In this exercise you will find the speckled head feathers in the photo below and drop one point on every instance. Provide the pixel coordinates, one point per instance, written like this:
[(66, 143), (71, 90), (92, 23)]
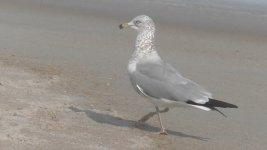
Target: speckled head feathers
[(140, 23)]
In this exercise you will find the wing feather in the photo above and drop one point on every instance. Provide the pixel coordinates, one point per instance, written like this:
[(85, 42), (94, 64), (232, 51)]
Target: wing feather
[(161, 80)]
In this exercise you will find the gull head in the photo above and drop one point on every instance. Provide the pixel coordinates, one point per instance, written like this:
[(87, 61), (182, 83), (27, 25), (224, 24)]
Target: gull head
[(140, 23)]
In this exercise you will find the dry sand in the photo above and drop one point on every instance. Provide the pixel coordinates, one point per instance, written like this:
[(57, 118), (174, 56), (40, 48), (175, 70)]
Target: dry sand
[(64, 85)]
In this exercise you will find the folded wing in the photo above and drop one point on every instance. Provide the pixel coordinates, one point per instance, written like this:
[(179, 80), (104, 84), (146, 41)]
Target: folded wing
[(161, 80)]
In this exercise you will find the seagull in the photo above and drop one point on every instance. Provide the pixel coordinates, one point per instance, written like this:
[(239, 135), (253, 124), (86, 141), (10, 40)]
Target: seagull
[(160, 82)]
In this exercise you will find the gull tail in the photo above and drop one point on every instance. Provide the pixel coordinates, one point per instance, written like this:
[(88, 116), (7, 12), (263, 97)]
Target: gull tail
[(217, 103), (211, 104)]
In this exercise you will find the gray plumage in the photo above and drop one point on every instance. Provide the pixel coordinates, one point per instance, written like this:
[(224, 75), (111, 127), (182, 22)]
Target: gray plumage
[(159, 81)]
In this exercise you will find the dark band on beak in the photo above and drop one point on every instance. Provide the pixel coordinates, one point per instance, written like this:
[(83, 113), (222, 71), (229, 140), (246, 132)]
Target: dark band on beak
[(121, 26)]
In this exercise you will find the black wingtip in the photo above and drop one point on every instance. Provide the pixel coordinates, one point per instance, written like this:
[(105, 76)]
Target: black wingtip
[(212, 103), (218, 103), (219, 112)]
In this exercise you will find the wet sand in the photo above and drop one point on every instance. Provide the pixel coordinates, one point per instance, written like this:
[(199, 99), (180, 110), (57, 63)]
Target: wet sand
[(64, 84)]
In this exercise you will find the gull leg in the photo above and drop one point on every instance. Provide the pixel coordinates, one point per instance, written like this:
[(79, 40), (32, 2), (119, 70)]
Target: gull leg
[(151, 114), (162, 131)]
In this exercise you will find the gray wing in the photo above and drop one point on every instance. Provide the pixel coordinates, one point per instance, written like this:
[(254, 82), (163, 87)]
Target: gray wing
[(161, 80)]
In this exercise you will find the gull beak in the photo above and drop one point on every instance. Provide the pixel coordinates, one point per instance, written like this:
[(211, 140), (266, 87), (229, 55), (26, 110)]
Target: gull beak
[(124, 25)]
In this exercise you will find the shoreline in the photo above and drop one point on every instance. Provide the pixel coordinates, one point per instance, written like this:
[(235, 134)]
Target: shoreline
[(64, 84), (249, 20)]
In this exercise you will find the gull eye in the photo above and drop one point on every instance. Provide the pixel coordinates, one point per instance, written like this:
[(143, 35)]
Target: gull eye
[(137, 22)]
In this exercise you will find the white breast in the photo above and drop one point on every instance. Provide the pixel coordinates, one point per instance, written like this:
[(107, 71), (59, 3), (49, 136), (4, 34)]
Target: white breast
[(132, 66)]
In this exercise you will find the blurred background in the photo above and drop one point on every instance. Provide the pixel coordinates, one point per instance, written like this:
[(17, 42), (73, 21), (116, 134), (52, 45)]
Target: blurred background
[(234, 15), (220, 44)]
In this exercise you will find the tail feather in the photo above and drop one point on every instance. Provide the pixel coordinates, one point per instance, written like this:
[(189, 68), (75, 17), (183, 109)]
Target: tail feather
[(217, 103), (219, 111), (212, 103)]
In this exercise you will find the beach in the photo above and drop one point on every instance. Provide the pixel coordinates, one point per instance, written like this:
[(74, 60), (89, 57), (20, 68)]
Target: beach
[(64, 81)]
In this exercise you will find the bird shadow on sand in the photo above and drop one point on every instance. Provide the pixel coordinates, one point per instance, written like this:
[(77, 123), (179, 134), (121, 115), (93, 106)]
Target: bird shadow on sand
[(117, 121)]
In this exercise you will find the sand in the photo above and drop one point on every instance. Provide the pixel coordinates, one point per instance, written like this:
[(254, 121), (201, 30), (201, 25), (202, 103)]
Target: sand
[(64, 84)]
